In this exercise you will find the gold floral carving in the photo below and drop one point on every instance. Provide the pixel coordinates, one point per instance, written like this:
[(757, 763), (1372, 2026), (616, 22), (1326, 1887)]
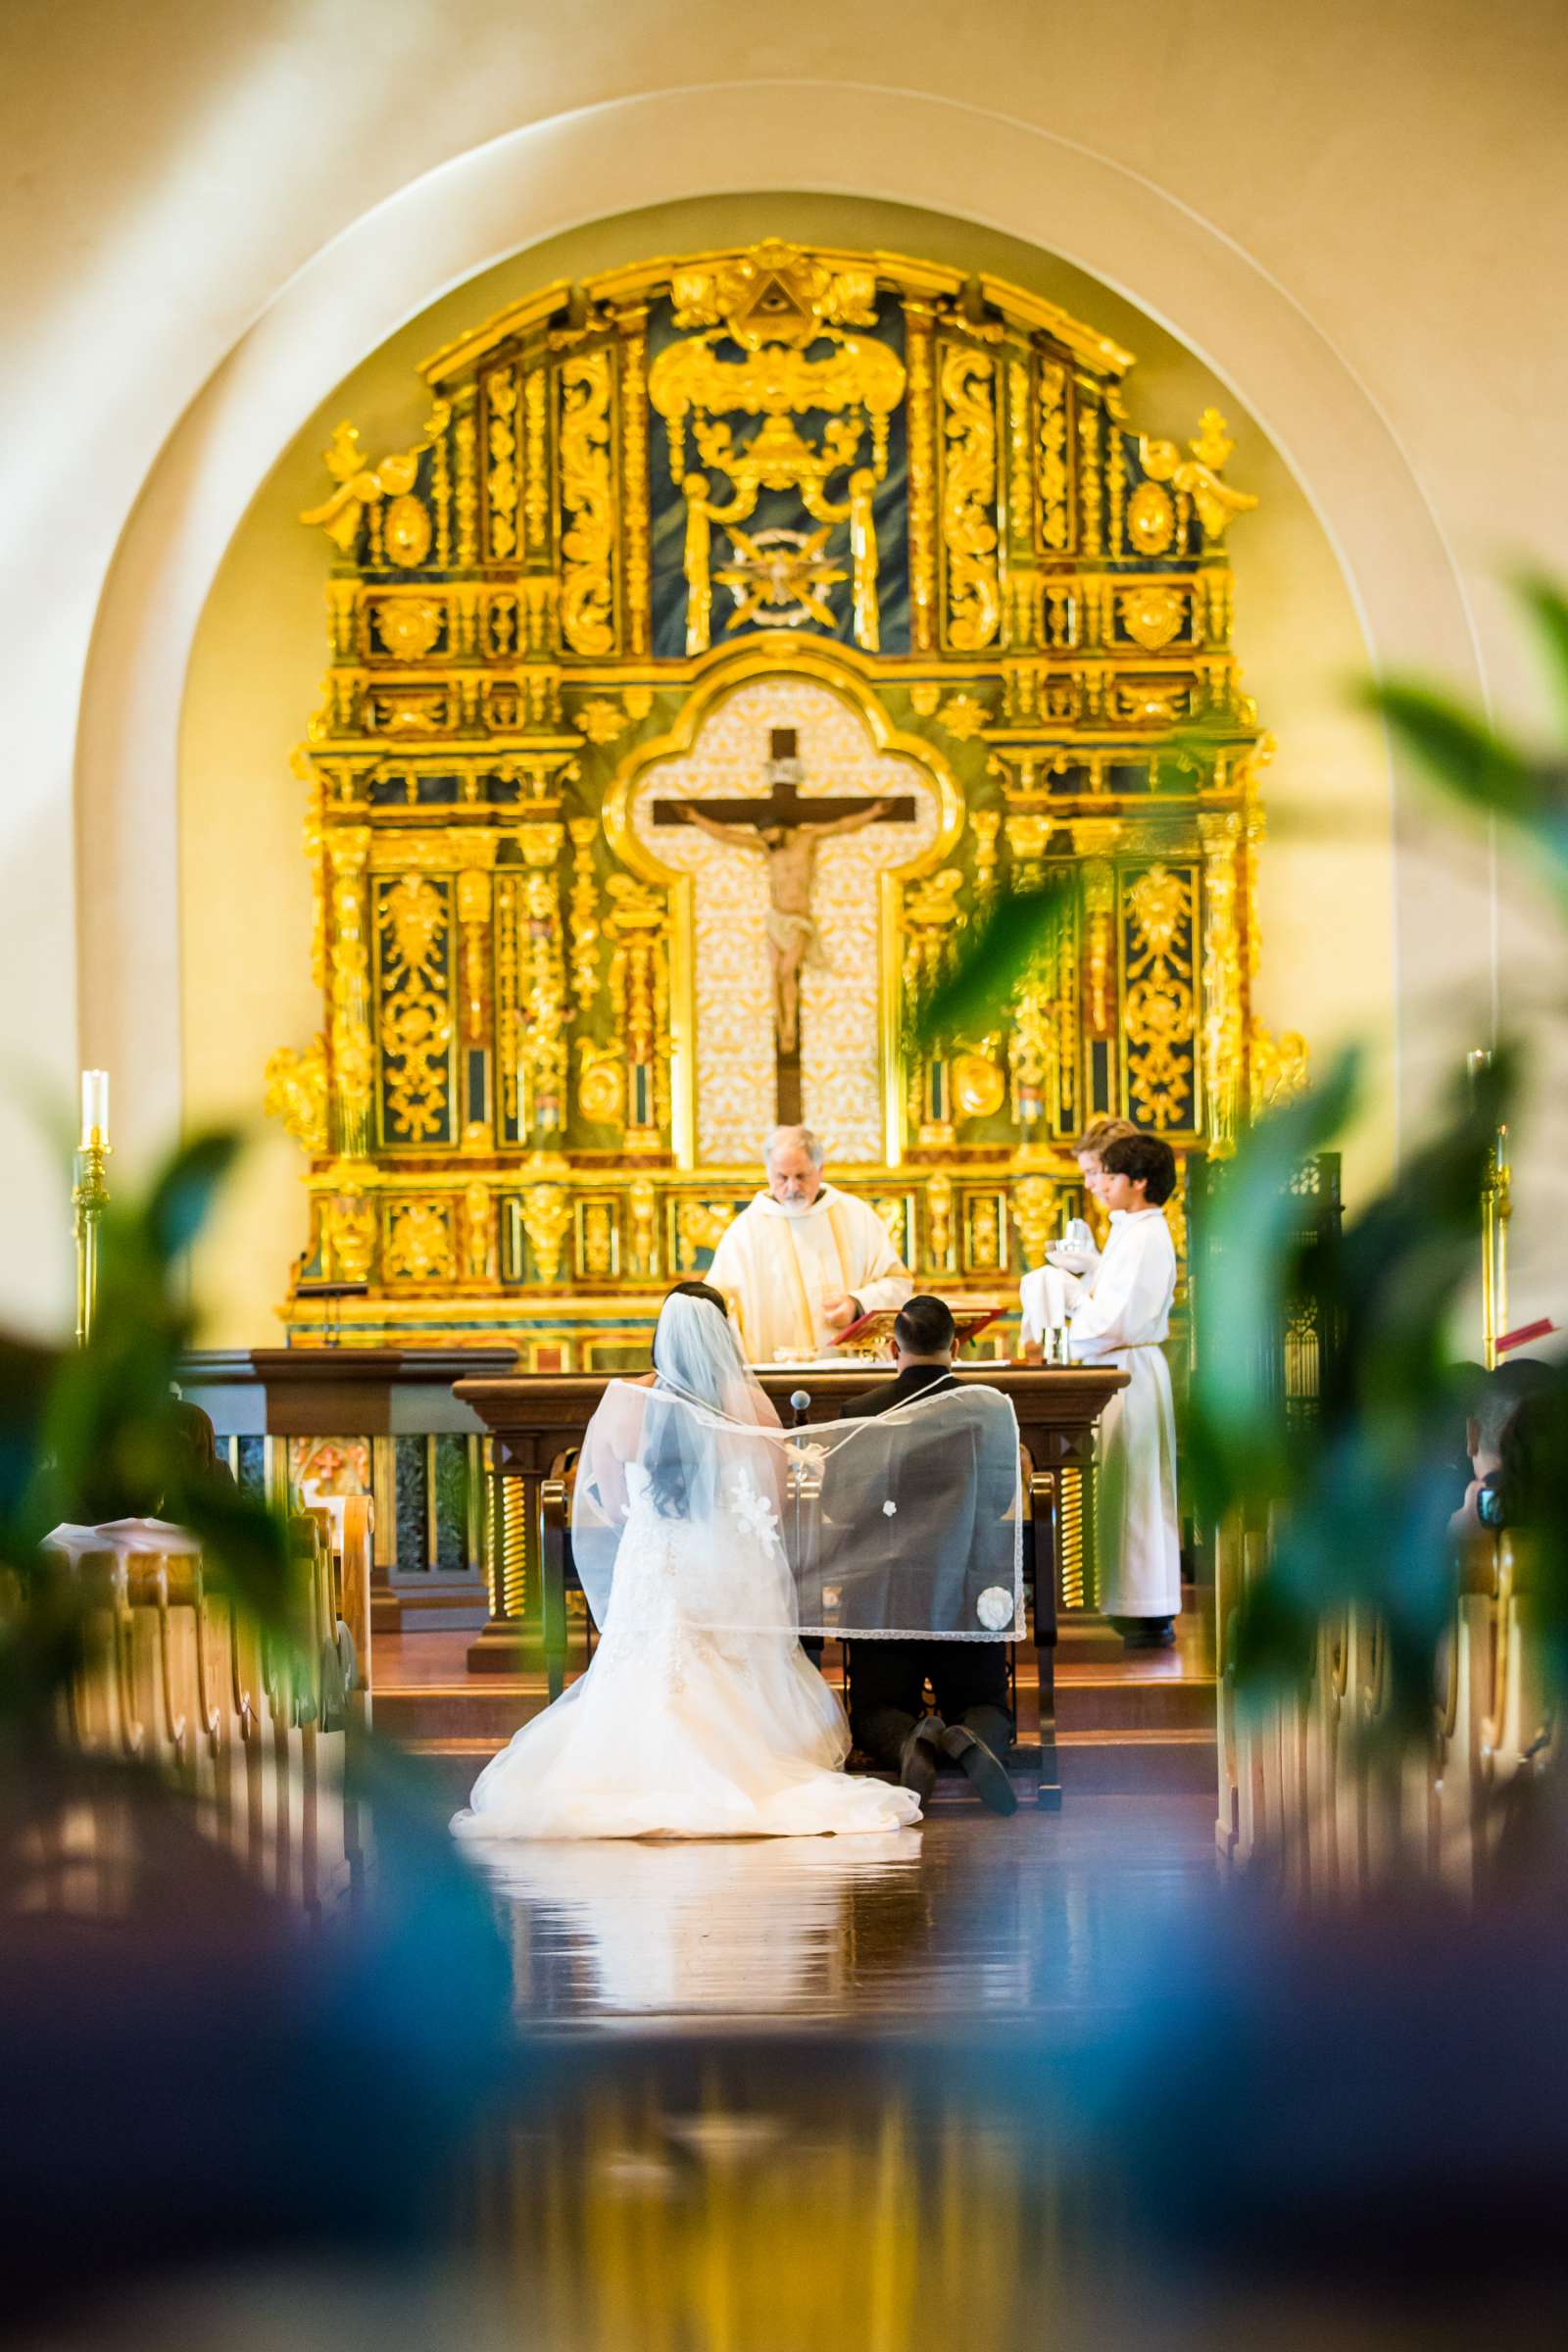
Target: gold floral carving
[(583, 919), (921, 411), (969, 497), (363, 489), (1089, 501), (601, 1082), (1036, 1208), (347, 1230), (963, 717), (635, 923), (296, 1092), (595, 1238), (1115, 490), (601, 720), (546, 1220), (979, 1087), (985, 1232), (985, 824), (1158, 1012), (643, 1202), (1223, 1025), (1055, 527), (1280, 1067), (478, 1232), (1153, 615), (407, 532), (466, 493), (543, 979), (501, 401), (588, 540), (349, 989), (1151, 519), (536, 459), (419, 1245), (939, 1222), (931, 917), (894, 1210), (416, 1028), (409, 627), (1198, 478), (699, 1225)]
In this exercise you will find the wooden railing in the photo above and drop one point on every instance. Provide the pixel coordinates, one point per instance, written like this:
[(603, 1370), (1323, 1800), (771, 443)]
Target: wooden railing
[(251, 1728), (1308, 1788)]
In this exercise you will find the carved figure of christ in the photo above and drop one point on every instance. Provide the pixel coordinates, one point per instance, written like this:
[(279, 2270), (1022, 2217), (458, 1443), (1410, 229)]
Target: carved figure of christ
[(786, 829)]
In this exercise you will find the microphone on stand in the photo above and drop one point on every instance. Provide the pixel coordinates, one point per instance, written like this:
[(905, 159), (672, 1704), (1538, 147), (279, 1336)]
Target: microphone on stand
[(801, 1405)]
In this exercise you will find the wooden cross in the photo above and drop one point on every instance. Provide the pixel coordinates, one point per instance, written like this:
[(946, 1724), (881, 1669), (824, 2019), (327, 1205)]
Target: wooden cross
[(785, 803), (786, 828)]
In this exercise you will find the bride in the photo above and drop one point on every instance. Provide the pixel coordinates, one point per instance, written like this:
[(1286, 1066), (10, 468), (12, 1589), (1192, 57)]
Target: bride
[(700, 1716)]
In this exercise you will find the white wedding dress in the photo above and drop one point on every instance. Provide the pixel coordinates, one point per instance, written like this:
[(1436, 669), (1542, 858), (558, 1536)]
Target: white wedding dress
[(700, 1715)]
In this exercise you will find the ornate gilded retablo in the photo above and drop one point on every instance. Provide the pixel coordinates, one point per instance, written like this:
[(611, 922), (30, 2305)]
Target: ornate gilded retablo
[(730, 637)]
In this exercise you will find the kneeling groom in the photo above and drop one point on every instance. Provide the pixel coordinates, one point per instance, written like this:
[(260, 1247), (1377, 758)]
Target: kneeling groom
[(972, 1724)]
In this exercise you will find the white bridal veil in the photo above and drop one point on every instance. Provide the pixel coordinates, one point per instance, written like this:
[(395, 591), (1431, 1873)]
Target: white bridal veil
[(906, 1524)]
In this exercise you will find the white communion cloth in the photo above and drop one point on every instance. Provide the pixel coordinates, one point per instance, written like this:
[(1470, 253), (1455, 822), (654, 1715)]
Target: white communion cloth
[(779, 1266), (1123, 1321)]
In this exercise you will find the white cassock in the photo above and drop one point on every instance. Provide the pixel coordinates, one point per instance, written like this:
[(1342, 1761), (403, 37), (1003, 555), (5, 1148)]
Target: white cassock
[(1123, 1321), (778, 1267), (1048, 1295)]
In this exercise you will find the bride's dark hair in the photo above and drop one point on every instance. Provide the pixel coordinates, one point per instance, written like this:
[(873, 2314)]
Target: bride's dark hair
[(666, 1430)]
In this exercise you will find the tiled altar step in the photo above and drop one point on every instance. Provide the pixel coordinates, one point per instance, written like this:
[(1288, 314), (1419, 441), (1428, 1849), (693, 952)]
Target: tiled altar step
[(1112, 1738), (1088, 1703)]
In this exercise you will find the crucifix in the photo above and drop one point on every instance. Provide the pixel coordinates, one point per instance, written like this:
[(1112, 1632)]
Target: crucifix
[(785, 829)]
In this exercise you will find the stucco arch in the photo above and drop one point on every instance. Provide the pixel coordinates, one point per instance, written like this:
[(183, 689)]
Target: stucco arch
[(616, 158)]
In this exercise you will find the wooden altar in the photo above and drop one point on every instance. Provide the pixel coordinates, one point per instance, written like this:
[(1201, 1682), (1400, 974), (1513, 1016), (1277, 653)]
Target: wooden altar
[(376, 1421), (537, 1421)]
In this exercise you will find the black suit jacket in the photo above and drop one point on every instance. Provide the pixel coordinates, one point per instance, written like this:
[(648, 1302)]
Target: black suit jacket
[(912, 1381)]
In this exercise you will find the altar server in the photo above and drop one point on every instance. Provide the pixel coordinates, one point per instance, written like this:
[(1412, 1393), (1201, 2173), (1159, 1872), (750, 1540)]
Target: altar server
[(1123, 1320), (802, 1261), (1049, 1294)]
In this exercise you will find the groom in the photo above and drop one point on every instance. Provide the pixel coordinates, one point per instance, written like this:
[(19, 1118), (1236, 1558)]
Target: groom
[(972, 1724)]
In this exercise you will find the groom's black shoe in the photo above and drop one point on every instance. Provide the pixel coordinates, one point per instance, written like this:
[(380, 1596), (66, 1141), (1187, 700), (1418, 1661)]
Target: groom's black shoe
[(986, 1771), (917, 1757)]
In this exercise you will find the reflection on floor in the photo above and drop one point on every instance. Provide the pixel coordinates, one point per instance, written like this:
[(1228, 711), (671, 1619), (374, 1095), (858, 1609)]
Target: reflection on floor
[(810, 2092), (970, 1919)]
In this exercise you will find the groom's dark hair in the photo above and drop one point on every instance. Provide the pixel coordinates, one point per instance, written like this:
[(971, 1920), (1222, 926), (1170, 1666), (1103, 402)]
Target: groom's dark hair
[(925, 1325)]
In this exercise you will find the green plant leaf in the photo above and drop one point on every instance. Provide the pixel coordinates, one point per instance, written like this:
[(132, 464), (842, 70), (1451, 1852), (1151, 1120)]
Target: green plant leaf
[(1021, 928)]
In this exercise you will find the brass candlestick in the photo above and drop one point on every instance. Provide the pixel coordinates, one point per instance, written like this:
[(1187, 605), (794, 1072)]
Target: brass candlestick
[(89, 1195), (1496, 1206)]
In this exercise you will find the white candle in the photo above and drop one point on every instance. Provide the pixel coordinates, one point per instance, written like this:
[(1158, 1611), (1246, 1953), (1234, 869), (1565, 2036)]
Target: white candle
[(94, 1107)]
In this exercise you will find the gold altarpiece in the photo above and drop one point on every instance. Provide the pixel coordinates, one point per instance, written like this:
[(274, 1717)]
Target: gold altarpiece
[(647, 520)]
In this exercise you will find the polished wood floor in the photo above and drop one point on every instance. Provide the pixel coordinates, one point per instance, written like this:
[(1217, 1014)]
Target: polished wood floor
[(971, 1921)]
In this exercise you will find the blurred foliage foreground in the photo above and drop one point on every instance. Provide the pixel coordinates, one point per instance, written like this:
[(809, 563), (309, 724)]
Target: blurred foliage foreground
[(1357, 1500), (162, 2002)]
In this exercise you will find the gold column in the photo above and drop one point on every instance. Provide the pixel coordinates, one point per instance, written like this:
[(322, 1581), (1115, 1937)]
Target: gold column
[(634, 476), (476, 907), (637, 987), (544, 985), (1220, 832), (920, 409), (348, 853)]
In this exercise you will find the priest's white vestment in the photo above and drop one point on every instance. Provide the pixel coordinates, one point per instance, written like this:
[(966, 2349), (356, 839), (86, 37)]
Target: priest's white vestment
[(1123, 1320), (780, 1265)]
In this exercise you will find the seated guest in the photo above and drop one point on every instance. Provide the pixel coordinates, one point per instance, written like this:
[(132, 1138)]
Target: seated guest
[(972, 1724), (1502, 1394)]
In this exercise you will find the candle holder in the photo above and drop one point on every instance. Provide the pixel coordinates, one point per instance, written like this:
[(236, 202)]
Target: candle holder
[(89, 1197)]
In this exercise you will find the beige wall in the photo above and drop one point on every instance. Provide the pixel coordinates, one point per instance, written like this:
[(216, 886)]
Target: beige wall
[(260, 651), (1352, 213)]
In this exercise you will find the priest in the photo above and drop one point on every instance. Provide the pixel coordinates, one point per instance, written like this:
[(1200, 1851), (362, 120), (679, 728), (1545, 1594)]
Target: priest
[(802, 1261)]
